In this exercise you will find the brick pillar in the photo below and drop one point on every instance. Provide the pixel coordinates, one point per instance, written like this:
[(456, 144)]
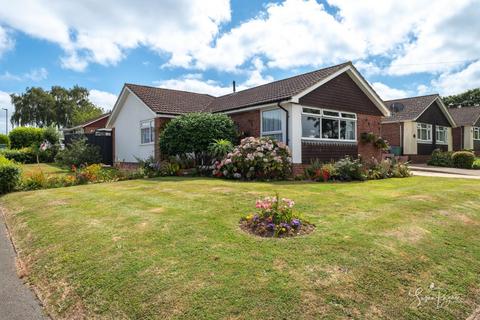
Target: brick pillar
[(368, 123)]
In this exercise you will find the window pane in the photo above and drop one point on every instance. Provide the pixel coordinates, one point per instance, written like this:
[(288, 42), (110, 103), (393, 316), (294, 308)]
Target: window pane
[(331, 113), (347, 130), (272, 120), (310, 127), (348, 115), (309, 110), (329, 129)]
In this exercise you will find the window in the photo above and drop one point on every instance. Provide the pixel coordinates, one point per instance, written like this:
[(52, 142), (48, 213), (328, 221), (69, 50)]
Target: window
[(424, 132), (147, 130), (476, 133), (328, 125), (272, 124), (441, 135)]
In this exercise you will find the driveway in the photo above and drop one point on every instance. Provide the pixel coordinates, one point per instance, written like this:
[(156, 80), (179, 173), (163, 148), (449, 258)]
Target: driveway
[(431, 171), (17, 301)]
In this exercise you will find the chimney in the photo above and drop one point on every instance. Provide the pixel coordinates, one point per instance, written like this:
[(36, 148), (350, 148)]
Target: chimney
[(233, 83)]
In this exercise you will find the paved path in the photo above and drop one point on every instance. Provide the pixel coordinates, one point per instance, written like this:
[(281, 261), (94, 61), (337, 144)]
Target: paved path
[(17, 301), (430, 171)]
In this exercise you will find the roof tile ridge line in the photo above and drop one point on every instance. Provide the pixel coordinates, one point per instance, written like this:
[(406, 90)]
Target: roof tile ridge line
[(152, 87), (415, 97), (287, 78)]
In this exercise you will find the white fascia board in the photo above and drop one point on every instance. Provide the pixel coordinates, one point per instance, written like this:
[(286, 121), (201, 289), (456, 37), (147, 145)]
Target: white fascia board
[(358, 79), (261, 106), (119, 104)]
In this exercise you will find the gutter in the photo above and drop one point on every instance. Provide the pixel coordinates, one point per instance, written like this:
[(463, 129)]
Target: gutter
[(286, 124)]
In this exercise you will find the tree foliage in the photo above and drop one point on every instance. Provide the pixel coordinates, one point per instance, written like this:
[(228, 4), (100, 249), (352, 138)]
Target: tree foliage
[(61, 107), (468, 98), (194, 132)]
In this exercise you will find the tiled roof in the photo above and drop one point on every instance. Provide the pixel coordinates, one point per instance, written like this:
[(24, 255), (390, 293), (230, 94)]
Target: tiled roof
[(170, 101), (414, 107), (465, 116), (177, 102), (273, 91)]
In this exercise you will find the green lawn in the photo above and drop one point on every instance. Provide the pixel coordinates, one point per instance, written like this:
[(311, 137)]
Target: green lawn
[(50, 169), (172, 248)]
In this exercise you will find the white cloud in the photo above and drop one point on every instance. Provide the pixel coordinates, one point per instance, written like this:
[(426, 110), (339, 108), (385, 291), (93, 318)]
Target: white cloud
[(290, 34), (35, 75), (449, 83), (5, 103), (387, 93), (102, 31), (6, 42), (103, 99)]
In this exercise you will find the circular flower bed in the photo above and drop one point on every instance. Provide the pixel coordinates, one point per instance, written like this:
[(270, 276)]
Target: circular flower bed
[(275, 219)]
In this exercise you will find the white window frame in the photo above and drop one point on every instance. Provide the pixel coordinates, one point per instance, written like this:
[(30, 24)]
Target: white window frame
[(340, 117), (282, 121), (424, 126), (441, 128), (476, 130), (151, 123)]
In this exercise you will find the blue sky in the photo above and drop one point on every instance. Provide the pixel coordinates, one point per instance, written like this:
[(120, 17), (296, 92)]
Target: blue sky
[(402, 48)]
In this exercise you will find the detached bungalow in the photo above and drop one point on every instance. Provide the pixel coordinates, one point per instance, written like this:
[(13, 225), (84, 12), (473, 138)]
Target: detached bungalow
[(320, 115), (417, 126), (89, 126), (467, 134)]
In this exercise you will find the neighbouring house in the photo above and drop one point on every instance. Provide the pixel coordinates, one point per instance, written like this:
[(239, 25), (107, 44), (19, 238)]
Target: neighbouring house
[(417, 126), (89, 126), (320, 115), (466, 136)]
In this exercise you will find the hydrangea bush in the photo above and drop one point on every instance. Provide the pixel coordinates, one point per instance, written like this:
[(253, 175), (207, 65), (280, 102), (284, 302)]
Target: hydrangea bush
[(256, 159), (275, 218)]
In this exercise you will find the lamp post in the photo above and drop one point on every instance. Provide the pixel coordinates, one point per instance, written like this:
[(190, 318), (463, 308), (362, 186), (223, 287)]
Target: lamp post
[(6, 120)]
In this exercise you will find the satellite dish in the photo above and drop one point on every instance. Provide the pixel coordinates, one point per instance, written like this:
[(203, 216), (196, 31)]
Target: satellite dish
[(397, 107)]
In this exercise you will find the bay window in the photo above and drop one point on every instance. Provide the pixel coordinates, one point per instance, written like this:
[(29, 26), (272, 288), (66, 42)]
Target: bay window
[(272, 124), (424, 132), (328, 125), (147, 131), (441, 135), (476, 133)]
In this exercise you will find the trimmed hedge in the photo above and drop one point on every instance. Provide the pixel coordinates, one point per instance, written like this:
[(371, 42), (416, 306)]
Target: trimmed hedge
[(9, 175), (463, 159), (4, 140), (23, 137), (194, 132)]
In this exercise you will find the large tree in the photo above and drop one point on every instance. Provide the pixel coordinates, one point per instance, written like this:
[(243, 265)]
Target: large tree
[(59, 106), (468, 98)]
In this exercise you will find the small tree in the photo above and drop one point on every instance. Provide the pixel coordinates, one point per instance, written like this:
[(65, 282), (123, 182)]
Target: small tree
[(194, 132), (23, 137), (79, 152)]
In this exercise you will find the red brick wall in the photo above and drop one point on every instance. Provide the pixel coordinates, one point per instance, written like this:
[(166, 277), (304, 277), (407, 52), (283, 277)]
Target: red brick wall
[(159, 125), (248, 122), (95, 125), (391, 132), (368, 123), (457, 135)]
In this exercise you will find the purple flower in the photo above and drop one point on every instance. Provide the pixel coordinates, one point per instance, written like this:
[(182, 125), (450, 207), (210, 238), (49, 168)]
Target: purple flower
[(271, 226), (296, 223)]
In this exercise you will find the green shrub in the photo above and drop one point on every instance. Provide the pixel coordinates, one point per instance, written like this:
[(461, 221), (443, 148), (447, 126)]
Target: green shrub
[(9, 175), (476, 164), (79, 152), (194, 132), (4, 140), (22, 137), (256, 159), (24, 155), (441, 158), (219, 148), (463, 159), (349, 169)]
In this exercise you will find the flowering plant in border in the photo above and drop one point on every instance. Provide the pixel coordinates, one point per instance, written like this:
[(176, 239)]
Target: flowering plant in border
[(275, 218), (256, 158)]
